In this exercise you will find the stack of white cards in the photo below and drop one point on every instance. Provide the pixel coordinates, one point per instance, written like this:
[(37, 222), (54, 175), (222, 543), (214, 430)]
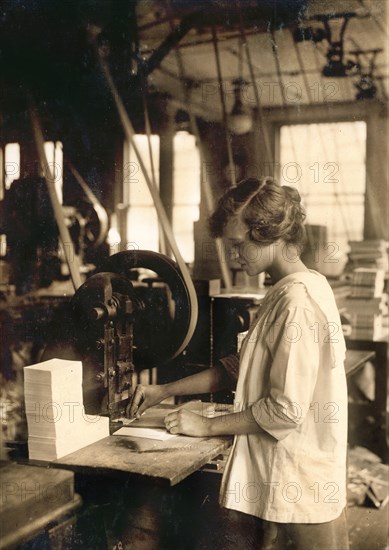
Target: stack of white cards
[(57, 423)]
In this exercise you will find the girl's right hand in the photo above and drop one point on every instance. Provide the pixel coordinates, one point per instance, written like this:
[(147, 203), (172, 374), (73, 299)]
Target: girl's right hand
[(143, 398)]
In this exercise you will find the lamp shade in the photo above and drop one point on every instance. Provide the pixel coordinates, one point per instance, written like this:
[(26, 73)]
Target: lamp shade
[(240, 123), (240, 120)]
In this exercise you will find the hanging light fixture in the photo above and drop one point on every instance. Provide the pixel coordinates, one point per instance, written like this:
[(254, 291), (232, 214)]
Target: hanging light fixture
[(182, 121), (366, 84), (333, 31), (240, 120)]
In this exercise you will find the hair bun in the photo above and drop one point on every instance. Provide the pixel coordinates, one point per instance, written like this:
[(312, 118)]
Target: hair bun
[(292, 194), (266, 180)]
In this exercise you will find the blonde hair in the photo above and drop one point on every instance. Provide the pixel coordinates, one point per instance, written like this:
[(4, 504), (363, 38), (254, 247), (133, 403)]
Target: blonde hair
[(269, 211)]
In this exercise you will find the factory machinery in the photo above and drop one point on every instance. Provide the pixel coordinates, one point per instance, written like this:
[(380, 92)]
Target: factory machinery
[(121, 322)]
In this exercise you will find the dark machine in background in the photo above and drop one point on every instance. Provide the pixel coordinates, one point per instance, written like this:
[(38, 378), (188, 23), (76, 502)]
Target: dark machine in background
[(32, 235), (33, 252), (35, 291)]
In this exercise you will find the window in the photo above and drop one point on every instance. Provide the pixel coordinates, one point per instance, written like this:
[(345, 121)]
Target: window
[(9, 171), (143, 229), (11, 163), (327, 164), (142, 218), (186, 192), (2, 175)]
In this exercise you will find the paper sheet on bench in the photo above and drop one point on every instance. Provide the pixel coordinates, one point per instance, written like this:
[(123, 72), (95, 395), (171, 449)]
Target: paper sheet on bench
[(147, 433), (155, 417)]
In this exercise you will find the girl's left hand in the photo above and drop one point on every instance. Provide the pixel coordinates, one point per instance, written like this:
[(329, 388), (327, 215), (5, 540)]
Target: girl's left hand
[(187, 423)]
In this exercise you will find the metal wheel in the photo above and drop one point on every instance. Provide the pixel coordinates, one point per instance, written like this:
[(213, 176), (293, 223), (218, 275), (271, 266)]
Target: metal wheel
[(165, 323)]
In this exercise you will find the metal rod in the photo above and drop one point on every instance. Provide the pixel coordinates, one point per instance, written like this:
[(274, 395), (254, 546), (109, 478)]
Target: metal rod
[(224, 110)]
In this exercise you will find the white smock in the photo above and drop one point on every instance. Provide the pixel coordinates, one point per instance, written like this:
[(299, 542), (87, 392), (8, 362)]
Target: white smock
[(292, 373)]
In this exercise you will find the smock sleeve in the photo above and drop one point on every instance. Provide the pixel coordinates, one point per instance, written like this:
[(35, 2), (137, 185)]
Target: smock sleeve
[(295, 356), (231, 366)]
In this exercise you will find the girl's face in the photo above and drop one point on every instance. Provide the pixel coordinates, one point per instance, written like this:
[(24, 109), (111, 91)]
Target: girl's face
[(253, 257)]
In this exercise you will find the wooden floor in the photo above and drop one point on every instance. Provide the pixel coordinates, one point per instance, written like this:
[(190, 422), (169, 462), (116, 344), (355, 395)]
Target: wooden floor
[(368, 528)]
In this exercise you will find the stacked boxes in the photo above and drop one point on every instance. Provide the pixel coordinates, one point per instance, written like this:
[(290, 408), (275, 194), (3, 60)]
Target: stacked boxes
[(367, 303), (371, 253)]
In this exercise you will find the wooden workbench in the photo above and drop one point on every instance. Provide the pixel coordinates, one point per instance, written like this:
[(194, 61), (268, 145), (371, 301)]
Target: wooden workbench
[(126, 484), (168, 461), (138, 492)]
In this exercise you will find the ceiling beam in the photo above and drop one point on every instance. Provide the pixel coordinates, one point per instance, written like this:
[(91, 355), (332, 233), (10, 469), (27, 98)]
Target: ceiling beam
[(268, 14), (189, 22)]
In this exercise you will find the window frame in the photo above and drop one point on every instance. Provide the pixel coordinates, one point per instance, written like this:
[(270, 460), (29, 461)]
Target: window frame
[(372, 112), (165, 172)]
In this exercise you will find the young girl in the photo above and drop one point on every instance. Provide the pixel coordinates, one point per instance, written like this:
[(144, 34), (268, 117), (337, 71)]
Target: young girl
[(287, 464)]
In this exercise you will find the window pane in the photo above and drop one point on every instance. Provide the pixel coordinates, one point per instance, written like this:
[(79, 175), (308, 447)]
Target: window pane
[(2, 175), (186, 175), (11, 163), (183, 219), (138, 191), (186, 192), (58, 168), (49, 151), (326, 163), (142, 228)]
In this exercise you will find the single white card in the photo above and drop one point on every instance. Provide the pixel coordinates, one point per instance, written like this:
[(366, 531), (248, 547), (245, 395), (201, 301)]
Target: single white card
[(147, 433)]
